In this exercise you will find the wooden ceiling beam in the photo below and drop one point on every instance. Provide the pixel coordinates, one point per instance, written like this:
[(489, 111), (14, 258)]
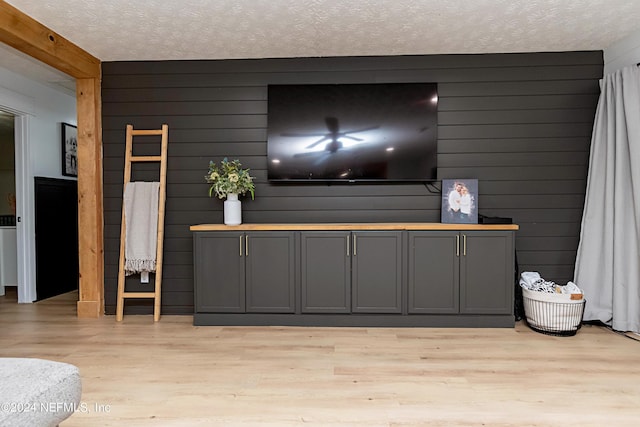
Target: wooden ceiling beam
[(27, 35)]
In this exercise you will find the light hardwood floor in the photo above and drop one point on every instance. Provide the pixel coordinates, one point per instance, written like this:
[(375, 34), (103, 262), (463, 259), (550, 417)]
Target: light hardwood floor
[(137, 373)]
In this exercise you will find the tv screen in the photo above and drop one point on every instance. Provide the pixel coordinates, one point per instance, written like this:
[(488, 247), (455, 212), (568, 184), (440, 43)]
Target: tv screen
[(352, 132)]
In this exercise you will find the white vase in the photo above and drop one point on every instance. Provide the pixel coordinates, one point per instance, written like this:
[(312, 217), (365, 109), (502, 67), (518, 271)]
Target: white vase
[(232, 210)]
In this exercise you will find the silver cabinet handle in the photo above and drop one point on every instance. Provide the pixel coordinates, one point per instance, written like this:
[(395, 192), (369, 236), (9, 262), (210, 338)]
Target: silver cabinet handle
[(355, 245), (240, 245), (246, 245), (457, 245), (464, 245), (347, 245)]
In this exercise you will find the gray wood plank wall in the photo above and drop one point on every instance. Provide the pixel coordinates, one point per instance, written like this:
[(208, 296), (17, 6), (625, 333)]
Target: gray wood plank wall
[(520, 123)]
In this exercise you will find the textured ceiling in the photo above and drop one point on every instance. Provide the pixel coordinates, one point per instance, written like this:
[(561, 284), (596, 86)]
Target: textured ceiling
[(114, 30)]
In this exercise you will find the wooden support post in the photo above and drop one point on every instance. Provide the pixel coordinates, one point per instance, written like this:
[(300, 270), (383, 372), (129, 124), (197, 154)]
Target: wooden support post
[(90, 208)]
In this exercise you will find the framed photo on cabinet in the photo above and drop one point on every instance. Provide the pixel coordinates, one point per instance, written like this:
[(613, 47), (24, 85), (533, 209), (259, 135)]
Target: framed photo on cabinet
[(69, 150), (459, 201)]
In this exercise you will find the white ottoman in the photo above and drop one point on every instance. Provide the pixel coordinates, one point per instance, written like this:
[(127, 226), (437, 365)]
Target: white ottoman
[(37, 392)]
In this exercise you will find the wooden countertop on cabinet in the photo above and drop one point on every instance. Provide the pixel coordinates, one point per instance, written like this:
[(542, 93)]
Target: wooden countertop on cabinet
[(353, 226)]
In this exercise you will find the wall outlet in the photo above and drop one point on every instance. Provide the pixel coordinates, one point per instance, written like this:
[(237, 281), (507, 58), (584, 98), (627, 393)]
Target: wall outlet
[(144, 277)]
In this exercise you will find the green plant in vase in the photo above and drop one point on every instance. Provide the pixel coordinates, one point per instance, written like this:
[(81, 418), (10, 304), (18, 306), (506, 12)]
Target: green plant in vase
[(229, 178)]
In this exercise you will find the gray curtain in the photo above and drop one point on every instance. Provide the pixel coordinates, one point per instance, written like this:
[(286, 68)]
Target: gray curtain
[(608, 258)]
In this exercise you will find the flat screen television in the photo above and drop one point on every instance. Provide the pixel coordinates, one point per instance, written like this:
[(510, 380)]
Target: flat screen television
[(352, 132)]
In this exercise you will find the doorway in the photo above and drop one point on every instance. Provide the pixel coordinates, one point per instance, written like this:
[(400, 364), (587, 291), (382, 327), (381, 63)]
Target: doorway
[(21, 108), (56, 213), (8, 240)]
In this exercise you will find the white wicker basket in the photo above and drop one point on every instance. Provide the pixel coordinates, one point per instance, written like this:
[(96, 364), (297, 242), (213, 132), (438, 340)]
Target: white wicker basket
[(553, 314)]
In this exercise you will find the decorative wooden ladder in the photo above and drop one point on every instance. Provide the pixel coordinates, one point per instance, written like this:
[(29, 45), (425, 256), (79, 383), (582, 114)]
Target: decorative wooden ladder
[(129, 159)]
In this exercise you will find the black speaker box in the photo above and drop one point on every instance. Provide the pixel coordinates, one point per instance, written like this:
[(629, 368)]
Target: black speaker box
[(494, 220)]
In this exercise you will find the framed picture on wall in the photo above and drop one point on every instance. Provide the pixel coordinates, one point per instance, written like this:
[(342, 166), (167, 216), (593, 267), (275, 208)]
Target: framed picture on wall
[(459, 201), (69, 150)]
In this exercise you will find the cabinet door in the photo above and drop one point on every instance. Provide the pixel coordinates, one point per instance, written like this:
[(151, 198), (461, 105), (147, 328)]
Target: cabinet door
[(219, 272), (325, 272), (486, 272), (270, 272), (434, 260), (376, 272)]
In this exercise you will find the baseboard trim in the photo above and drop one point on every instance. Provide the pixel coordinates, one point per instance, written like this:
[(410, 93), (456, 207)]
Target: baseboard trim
[(361, 320)]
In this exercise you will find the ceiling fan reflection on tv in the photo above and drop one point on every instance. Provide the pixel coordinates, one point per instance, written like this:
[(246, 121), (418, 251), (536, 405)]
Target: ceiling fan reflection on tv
[(334, 139)]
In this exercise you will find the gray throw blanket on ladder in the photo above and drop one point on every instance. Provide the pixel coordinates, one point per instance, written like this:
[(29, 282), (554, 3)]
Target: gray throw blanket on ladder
[(141, 220)]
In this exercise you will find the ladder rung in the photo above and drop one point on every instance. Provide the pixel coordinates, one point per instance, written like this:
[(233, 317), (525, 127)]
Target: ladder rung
[(146, 158), (139, 295), (147, 132)]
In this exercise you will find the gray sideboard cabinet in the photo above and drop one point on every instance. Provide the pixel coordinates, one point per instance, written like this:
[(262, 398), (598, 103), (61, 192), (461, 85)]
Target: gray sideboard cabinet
[(325, 271), (487, 272), (350, 274), (466, 272), (351, 271), (377, 271), (434, 272), (244, 272)]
